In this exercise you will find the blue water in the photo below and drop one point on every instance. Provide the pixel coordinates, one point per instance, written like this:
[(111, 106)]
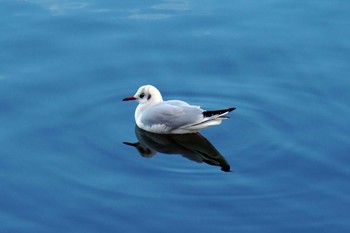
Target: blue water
[(65, 66)]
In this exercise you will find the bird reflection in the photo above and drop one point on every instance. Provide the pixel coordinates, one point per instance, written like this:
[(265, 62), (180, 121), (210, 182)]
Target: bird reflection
[(192, 146)]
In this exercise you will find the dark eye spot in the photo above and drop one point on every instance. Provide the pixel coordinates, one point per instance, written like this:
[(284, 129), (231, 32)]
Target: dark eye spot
[(142, 95), (149, 96)]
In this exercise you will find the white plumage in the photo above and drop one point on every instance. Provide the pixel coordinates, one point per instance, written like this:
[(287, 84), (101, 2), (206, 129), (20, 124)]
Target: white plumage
[(172, 116)]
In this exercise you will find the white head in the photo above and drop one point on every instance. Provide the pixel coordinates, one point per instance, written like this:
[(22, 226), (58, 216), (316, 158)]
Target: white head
[(146, 94)]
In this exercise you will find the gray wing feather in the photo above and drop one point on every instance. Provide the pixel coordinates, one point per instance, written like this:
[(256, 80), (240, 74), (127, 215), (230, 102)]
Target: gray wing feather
[(172, 114)]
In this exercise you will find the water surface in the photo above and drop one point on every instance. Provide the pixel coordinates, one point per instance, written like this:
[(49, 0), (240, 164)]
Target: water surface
[(66, 65)]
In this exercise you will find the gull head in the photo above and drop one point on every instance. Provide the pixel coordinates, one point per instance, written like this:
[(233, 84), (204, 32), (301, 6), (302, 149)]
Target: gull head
[(146, 94)]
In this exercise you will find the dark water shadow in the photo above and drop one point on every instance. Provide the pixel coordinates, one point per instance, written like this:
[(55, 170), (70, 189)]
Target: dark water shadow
[(192, 146)]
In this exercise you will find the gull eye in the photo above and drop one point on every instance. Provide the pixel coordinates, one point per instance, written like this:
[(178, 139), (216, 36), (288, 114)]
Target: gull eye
[(142, 95)]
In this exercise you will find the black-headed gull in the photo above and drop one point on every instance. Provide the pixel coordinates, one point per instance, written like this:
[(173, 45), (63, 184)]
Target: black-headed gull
[(172, 116)]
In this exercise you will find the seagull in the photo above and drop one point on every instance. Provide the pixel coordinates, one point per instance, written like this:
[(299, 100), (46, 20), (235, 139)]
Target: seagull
[(171, 116)]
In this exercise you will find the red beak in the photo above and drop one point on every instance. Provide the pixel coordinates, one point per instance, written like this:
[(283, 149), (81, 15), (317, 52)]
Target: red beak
[(129, 98)]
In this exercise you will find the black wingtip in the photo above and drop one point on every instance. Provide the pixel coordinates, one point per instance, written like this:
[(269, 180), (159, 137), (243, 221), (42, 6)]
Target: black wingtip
[(217, 112)]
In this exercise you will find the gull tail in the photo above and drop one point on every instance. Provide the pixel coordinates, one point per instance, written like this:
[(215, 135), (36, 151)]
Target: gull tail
[(217, 112), (209, 118)]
